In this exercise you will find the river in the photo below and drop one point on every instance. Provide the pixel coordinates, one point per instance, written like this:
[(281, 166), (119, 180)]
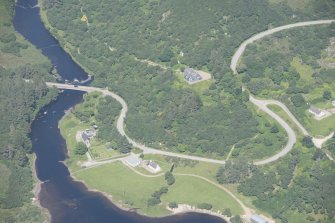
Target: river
[(66, 199)]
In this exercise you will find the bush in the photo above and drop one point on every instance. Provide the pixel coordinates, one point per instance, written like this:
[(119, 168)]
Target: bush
[(307, 141), (205, 206), (236, 219), (173, 205), (80, 149), (227, 212), (274, 129), (153, 201)]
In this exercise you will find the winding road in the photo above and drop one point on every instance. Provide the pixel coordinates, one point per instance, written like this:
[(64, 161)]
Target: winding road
[(120, 124), (261, 104)]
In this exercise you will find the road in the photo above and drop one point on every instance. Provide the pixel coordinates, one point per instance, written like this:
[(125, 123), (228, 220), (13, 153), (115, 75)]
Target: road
[(120, 124), (260, 35), (262, 104)]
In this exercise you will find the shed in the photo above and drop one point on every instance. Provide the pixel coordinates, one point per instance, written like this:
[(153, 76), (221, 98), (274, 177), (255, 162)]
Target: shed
[(133, 160), (258, 219)]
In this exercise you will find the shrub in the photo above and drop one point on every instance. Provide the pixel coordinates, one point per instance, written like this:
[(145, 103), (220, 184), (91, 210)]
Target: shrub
[(205, 206)]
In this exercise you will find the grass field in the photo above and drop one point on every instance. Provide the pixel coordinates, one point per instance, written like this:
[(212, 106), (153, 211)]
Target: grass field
[(132, 190), (321, 127), (193, 191)]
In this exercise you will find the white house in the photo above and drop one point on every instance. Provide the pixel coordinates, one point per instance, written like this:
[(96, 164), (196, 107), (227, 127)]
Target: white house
[(153, 166), (316, 112)]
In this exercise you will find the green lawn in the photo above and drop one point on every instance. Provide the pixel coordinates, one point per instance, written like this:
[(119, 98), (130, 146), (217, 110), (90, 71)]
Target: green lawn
[(193, 191), (320, 127), (125, 186), (132, 190)]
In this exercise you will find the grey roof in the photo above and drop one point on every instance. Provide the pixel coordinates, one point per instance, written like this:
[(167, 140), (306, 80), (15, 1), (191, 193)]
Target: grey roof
[(258, 219), (315, 110), (153, 164), (84, 136), (133, 160), (191, 75)]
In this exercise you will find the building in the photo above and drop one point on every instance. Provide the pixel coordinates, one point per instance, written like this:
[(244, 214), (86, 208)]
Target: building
[(85, 138), (316, 112), (191, 75), (333, 103), (132, 160), (91, 133), (153, 166), (257, 219)]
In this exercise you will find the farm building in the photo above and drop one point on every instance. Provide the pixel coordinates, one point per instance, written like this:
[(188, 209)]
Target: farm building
[(132, 160), (257, 219)]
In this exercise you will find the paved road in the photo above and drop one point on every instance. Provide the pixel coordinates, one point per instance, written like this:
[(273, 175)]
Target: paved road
[(120, 124), (260, 35), (262, 104)]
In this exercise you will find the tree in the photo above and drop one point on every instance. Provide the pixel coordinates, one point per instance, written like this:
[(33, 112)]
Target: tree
[(227, 212), (307, 141), (327, 95), (166, 55), (236, 219), (80, 149), (173, 205), (274, 129), (169, 178), (298, 100)]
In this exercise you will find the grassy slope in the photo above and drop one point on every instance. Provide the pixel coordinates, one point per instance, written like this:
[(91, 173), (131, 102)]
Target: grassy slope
[(126, 186)]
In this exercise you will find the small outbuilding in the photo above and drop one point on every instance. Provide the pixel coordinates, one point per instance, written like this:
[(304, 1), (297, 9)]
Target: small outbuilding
[(258, 219), (132, 160)]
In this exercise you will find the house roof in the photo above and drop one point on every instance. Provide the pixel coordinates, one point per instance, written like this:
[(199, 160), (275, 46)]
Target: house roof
[(258, 219), (84, 136), (153, 164), (315, 110)]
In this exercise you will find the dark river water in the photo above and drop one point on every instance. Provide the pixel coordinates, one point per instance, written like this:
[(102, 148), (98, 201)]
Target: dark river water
[(66, 199)]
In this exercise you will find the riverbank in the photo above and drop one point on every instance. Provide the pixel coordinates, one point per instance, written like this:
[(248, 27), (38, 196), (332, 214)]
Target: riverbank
[(36, 191), (52, 30)]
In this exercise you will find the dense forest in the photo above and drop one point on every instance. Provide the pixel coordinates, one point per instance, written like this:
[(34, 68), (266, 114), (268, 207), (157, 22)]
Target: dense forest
[(23, 92), (210, 117), (163, 110), (298, 187)]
